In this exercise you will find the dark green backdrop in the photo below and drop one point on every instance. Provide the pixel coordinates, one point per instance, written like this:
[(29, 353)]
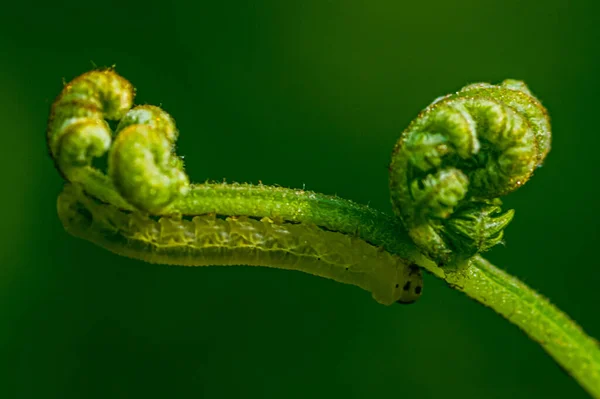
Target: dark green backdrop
[(292, 93)]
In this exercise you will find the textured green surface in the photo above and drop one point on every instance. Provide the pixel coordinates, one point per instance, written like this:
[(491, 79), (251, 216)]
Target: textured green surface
[(457, 157), (311, 93), (500, 133), (577, 353)]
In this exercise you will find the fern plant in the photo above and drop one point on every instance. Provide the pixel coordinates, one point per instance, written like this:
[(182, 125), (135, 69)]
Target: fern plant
[(448, 170)]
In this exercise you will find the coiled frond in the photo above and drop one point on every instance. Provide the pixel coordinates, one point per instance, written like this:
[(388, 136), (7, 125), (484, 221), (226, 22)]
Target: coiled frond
[(457, 157), (144, 172)]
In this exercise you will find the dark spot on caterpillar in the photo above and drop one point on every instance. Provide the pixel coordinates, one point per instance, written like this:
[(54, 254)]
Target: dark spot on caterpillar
[(406, 286), (413, 269), (397, 285), (347, 268), (418, 290)]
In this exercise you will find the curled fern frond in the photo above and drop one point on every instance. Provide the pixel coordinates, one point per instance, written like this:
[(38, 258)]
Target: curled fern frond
[(456, 159), (77, 129), (144, 172)]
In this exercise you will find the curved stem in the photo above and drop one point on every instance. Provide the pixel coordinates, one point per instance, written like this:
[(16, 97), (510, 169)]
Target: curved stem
[(562, 338), (289, 205), (328, 212)]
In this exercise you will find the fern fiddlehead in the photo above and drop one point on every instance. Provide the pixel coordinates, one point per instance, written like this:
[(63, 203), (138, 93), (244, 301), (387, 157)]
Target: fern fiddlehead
[(453, 162), (144, 172), (447, 170)]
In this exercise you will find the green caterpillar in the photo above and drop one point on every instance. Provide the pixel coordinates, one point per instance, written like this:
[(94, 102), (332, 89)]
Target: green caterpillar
[(206, 240)]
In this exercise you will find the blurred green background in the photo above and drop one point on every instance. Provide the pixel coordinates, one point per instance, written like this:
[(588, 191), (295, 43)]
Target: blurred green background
[(292, 93)]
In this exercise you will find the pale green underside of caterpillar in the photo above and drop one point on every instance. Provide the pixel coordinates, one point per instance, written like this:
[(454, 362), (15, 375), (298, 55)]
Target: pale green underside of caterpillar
[(206, 240)]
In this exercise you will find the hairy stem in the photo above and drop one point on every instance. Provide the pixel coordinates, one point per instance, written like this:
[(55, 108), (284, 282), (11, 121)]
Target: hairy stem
[(290, 205), (564, 340)]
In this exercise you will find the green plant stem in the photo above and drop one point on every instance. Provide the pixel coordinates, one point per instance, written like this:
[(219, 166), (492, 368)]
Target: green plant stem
[(290, 205), (564, 340)]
